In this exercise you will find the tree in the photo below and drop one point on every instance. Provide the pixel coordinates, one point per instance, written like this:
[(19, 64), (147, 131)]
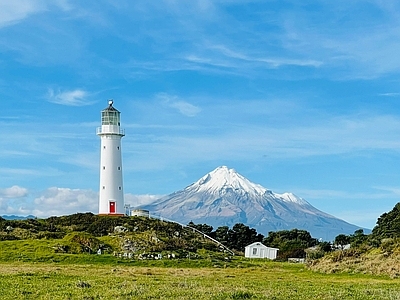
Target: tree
[(358, 238), (238, 237), (291, 243), (242, 235), (388, 224), (325, 246), (204, 228), (222, 235), (342, 240)]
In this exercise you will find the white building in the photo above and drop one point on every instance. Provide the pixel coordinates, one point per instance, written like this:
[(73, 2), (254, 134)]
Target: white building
[(258, 250), (138, 212), (111, 200)]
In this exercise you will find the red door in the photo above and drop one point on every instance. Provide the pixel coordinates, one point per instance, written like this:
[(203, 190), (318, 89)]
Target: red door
[(112, 207)]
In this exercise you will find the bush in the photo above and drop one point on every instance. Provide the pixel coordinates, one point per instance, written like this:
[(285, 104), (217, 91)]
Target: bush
[(8, 237), (80, 242)]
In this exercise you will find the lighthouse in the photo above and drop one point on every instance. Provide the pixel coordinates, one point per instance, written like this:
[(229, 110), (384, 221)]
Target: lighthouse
[(111, 196)]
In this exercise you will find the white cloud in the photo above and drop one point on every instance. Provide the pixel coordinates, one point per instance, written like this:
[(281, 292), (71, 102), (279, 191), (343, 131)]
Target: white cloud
[(76, 97), (57, 201), (64, 201), (8, 197), (13, 192)]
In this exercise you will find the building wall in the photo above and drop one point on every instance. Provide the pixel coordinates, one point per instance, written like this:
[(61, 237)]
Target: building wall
[(111, 184), (258, 250)]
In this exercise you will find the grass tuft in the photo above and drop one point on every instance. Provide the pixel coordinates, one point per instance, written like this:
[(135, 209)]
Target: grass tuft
[(242, 295), (83, 284)]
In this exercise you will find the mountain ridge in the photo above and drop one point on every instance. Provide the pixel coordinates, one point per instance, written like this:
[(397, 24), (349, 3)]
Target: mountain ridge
[(224, 197)]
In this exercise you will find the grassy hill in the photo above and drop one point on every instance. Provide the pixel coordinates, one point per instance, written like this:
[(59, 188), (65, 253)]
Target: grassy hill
[(79, 237), (383, 260), (57, 238), (56, 258)]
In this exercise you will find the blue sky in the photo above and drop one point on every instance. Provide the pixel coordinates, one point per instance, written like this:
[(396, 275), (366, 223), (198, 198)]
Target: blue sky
[(298, 96)]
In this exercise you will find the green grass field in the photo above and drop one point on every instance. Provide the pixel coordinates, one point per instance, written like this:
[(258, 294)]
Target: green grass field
[(240, 279), (32, 269)]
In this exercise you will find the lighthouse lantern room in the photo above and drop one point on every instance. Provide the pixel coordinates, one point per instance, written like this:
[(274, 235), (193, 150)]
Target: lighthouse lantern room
[(111, 196)]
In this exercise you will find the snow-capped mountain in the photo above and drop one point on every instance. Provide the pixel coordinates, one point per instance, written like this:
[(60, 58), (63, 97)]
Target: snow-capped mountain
[(224, 197)]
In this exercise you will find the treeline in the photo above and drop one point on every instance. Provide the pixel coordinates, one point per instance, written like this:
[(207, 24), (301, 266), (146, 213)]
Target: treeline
[(169, 235), (297, 243), (291, 243), (387, 230)]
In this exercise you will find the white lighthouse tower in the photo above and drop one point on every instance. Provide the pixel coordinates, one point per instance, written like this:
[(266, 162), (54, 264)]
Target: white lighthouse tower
[(111, 200)]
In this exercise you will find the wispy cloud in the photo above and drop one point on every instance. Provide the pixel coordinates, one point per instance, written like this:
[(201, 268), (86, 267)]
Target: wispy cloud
[(389, 94), (273, 62), (233, 138), (12, 12), (76, 97), (185, 108), (343, 48), (139, 200)]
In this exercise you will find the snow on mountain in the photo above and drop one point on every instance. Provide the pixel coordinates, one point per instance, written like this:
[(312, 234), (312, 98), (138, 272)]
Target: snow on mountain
[(224, 197)]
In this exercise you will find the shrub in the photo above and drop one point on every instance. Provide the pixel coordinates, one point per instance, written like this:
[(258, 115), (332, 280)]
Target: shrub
[(80, 242)]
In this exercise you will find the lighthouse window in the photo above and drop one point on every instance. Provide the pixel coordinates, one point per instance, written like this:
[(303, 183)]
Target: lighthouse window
[(119, 168), (118, 147), (104, 187), (119, 188), (104, 147), (109, 117), (104, 167)]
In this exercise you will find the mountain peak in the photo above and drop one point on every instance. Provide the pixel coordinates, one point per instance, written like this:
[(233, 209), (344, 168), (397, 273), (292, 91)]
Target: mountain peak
[(225, 178), (224, 197)]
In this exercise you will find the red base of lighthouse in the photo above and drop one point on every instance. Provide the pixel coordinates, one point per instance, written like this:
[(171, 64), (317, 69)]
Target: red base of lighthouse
[(112, 215)]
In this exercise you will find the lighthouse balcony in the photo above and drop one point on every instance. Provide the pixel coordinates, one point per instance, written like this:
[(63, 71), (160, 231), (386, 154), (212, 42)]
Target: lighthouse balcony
[(110, 129)]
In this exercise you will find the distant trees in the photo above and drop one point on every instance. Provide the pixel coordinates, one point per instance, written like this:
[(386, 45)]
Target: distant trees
[(291, 243), (358, 238), (235, 238), (342, 240)]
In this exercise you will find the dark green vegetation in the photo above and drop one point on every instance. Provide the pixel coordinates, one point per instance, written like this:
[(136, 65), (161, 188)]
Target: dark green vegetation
[(235, 238)]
